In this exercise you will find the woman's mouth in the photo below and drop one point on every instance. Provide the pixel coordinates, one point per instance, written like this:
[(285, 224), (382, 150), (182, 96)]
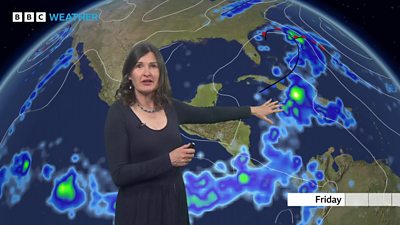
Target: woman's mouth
[(147, 82)]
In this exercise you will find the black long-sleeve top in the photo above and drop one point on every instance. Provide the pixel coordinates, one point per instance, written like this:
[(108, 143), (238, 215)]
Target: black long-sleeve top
[(138, 159)]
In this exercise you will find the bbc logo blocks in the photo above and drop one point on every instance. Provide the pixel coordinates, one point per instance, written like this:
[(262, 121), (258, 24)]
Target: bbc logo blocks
[(29, 17), (17, 17)]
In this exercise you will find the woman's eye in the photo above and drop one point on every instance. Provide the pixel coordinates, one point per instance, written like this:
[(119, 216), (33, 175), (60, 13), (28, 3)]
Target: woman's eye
[(138, 65), (154, 66)]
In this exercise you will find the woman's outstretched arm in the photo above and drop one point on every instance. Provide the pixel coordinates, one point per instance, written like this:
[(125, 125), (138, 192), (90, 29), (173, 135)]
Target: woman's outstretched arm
[(214, 114)]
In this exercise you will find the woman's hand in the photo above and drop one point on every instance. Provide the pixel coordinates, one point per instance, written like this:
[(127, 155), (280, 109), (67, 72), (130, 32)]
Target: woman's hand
[(181, 156), (265, 109)]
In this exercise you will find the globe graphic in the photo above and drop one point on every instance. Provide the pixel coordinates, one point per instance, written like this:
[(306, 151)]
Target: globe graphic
[(339, 131)]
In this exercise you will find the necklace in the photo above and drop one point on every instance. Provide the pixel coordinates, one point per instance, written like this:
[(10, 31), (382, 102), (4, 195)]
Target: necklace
[(147, 110)]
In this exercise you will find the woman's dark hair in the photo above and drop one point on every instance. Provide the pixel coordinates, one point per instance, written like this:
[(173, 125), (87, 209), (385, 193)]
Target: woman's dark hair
[(163, 92)]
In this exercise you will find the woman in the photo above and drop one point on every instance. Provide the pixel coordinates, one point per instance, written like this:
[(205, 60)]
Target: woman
[(144, 148)]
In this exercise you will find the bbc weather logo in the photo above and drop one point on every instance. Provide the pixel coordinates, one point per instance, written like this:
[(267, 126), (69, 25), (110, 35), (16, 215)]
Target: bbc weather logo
[(53, 17), (29, 17)]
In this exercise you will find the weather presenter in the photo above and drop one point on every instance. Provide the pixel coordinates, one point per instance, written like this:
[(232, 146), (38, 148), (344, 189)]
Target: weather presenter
[(144, 147)]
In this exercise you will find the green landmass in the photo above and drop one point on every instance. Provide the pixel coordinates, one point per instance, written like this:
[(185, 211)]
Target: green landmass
[(261, 78), (206, 95), (107, 42), (230, 134), (367, 178)]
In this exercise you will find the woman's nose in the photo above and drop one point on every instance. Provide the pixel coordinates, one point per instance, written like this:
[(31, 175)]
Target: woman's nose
[(146, 70)]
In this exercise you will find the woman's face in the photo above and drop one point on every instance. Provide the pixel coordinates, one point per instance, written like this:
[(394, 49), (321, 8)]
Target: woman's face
[(145, 74)]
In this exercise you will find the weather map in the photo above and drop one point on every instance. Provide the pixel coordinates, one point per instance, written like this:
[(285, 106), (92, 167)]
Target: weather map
[(338, 132)]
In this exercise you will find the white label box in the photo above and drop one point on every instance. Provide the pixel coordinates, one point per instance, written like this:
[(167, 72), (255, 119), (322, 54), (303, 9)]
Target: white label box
[(344, 199), (396, 199), (379, 199), (357, 199), (316, 199)]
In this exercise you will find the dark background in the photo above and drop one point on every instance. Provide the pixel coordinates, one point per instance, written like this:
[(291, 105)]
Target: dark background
[(375, 22)]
